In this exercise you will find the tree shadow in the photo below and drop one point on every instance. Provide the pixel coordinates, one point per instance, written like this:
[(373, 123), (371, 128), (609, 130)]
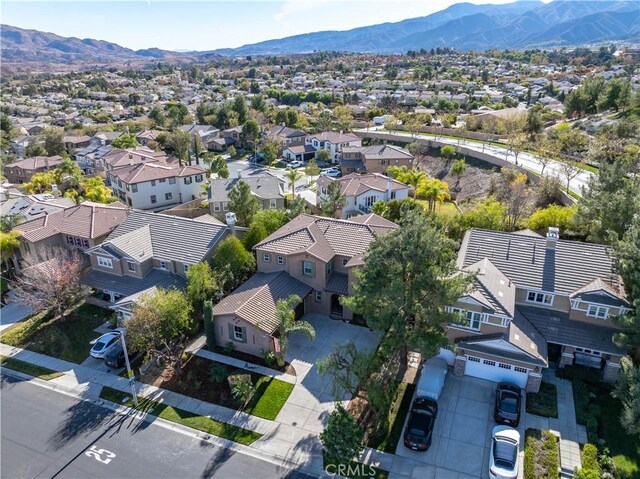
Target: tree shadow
[(219, 458)]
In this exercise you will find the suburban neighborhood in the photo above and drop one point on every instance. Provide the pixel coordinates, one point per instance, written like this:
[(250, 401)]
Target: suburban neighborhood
[(355, 263)]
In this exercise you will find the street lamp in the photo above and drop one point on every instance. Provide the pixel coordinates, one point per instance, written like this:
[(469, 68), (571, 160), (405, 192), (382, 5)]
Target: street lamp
[(132, 379)]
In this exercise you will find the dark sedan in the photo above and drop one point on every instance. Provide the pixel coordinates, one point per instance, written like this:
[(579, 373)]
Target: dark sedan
[(508, 400), (419, 430), (115, 357)]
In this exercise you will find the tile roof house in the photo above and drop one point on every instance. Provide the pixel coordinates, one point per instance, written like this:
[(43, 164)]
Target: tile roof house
[(267, 188), (29, 207), (374, 158), (149, 250), (362, 191), (288, 136), (537, 301), (333, 141), (80, 227), (311, 256), (21, 171)]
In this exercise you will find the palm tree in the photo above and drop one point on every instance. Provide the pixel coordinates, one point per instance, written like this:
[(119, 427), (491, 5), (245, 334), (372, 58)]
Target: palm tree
[(334, 200), (414, 177), (434, 191), (293, 176), (287, 324)]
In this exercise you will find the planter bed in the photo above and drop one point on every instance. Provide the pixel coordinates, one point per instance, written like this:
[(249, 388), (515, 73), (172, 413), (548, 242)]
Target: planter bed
[(541, 456)]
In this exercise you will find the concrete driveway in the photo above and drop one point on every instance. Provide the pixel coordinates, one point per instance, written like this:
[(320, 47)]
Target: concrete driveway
[(462, 433), (312, 400)]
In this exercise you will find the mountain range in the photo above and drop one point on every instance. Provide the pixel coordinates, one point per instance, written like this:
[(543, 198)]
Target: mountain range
[(464, 26)]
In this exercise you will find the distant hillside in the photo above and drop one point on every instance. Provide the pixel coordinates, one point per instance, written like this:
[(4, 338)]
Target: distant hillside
[(467, 26)]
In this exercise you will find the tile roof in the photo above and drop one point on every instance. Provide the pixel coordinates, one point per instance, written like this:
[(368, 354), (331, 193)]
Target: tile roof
[(263, 186), (36, 162), (170, 238), (326, 237), (335, 137), (87, 220), (380, 152), (117, 158), (527, 262), (338, 283), (255, 301), (494, 287), (285, 132), (129, 285), (356, 184), (154, 171)]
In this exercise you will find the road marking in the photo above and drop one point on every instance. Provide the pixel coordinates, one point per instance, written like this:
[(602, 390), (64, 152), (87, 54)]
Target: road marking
[(97, 454)]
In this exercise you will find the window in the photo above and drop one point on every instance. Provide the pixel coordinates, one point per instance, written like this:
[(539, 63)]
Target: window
[(185, 267), (470, 319), (393, 195), (318, 296), (473, 359), (172, 181), (168, 196), (238, 333), (504, 366), (307, 268), (85, 243), (127, 187), (280, 260), (153, 182), (77, 241), (70, 240), (131, 265), (538, 297), (345, 261), (105, 262), (198, 178), (162, 180), (272, 203), (216, 207), (163, 265), (134, 188), (266, 258), (600, 312), (153, 199), (329, 268), (488, 362), (518, 369), (225, 206), (188, 180)]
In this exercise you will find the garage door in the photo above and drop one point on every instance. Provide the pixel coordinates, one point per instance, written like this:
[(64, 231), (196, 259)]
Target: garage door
[(495, 371)]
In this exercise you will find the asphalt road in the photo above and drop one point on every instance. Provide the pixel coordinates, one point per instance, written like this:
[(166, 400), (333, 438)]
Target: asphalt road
[(46, 434)]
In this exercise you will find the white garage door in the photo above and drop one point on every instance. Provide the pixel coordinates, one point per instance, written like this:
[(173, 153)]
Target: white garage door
[(495, 371)]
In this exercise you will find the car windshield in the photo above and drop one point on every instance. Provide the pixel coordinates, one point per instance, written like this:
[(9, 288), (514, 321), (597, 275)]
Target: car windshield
[(509, 404), (504, 453), (99, 345), (420, 423)]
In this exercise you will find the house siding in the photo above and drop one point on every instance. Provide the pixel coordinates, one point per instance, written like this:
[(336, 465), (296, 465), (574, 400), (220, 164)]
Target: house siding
[(257, 342)]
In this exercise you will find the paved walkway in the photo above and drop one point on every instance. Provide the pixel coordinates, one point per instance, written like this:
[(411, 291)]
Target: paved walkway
[(13, 312)]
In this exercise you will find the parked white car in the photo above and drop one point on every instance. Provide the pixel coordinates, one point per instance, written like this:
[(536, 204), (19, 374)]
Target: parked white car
[(104, 344), (296, 164), (332, 172), (503, 460), (431, 382)]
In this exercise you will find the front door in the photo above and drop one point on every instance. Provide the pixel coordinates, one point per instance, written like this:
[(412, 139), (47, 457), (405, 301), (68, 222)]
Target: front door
[(336, 307), (554, 351)]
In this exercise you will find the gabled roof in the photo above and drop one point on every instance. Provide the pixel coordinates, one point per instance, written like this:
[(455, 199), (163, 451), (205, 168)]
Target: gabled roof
[(601, 291), (155, 171), (130, 285), (493, 287), (117, 158), (334, 137), (86, 220), (263, 186), (326, 237), (526, 261), (166, 238), (356, 184), (36, 163), (285, 132), (380, 152), (255, 301)]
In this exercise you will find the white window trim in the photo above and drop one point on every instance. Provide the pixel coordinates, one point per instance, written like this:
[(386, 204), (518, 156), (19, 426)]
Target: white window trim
[(185, 267), (129, 264), (597, 309), (105, 262), (544, 296), (304, 268), (280, 260), (318, 296), (266, 257), (163, 265), (470, 320), (237, 333)]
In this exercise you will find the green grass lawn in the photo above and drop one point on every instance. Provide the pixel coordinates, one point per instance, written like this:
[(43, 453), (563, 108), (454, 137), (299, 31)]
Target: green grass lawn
[(446, 209), (179, 416), (30, 369), (544, 402), (67, 339), (396, 417), (271, 394), (624, 449)]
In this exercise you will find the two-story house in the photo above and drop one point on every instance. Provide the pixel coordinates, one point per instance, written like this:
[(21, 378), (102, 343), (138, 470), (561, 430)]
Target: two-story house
[(81, 227), (536, 301), (21, 171), (148, 251), (147, 136), (332, 141), (267, 188), (157, 185), (374, 158), (207, 133), (287, 136), (362, 191), (312, 257)]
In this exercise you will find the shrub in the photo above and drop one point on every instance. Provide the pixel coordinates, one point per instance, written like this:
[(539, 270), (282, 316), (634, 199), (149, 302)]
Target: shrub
[(581, 398), (530, 447), (592, 428), (270, 358), (241, 387), (590, 466), (229, 347), (218, 373), (541, 459), (544, 402)]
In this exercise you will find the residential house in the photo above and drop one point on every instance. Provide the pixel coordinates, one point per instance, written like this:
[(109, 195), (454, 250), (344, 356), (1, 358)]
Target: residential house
[(80, 227), (117, 158), (299, 152), (29, 207), (312, 257), (287, 136), (157, 185), (374, 158), (536, 302), (227, 138), (73, 143), (21, 171), (104, 138), (90, 159), (146, 136), (362, 191), (332, 141), (267, 188), (149, 251), (207, 133)]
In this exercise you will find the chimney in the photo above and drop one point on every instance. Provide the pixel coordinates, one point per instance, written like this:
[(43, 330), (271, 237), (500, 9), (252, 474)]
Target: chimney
[(46, 163), (341, 132), (231, 222), (130, 159), (552, 237)]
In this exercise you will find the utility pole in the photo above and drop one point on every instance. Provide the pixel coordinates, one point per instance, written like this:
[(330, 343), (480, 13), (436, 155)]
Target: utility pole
[(132, 379)]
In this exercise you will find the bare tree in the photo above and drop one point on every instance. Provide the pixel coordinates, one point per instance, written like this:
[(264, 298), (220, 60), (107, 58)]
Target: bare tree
[(546, 153), (570, 169), (517, 199), (50, 279)]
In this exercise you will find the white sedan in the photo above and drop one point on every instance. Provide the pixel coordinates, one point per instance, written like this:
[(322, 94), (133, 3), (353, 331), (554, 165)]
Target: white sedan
[(296, 164), (332, 172), (104, 344), (503, 460)]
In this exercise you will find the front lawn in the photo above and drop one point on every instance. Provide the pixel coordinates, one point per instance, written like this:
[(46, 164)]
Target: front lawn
[(186, 418), (544, 402), (267, 400), (67, 339), (541, 457), (28, 368), (398, 411)]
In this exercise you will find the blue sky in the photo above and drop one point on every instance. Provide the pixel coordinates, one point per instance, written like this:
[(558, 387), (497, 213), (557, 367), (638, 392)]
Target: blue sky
[(207, 25)]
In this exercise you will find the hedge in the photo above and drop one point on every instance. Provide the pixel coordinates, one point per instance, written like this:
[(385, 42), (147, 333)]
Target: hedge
[(541, 458)]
